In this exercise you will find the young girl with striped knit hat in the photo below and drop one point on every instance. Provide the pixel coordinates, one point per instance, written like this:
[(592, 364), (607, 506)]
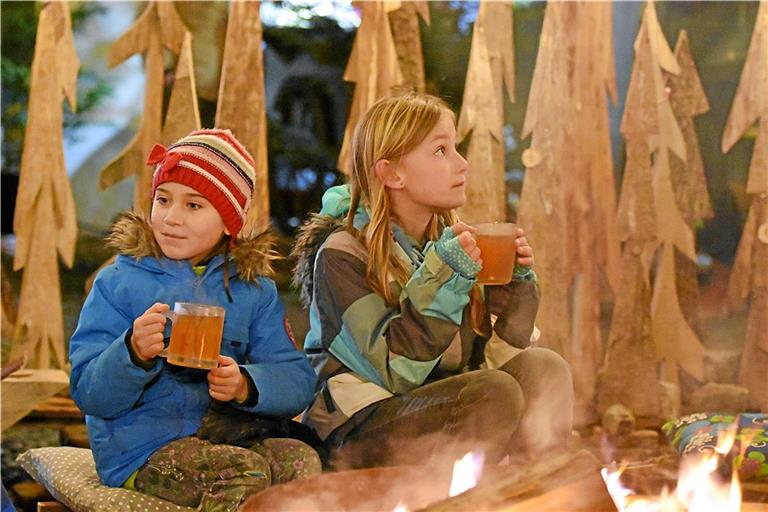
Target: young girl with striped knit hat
[(144, 415)]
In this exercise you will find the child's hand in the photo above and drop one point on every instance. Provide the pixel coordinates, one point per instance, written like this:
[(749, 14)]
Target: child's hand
[(524, 251), (147, 337), (226, 383), (464, 233)]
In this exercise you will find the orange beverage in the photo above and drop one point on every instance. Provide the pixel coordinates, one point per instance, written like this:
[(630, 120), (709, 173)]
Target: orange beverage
[(196, 335), (498, 250)]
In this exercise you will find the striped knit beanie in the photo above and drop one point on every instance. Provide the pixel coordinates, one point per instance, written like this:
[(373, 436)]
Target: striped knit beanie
[(213, 163)]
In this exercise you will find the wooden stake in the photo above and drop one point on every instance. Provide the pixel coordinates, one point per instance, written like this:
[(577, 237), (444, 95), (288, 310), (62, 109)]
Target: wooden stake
[(241, 106), (183, 114), (45, 221), (156, 28), (491, 69), (407, 38), (373, 67), (749, 279)]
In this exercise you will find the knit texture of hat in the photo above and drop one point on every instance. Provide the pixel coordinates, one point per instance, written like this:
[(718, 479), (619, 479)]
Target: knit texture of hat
[(213, 163)]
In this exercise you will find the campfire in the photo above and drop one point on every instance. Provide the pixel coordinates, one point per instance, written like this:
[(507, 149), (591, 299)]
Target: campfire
[(703, 484), (572, 481)]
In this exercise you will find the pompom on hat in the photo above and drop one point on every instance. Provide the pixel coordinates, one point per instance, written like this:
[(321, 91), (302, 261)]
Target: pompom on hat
[(213, 163)]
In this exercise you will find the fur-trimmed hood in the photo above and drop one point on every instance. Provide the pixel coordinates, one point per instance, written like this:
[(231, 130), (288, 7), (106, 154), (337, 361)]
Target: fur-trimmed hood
[(308, 241), (132, 235)]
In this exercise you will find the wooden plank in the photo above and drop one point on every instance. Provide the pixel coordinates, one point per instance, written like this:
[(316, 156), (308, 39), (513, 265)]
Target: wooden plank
[(23, 391)]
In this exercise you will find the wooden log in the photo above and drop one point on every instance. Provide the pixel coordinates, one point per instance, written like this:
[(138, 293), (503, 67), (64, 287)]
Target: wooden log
[(21, 393), (571, 481)]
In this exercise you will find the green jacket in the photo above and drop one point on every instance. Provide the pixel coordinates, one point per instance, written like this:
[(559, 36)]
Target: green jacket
[(364, 350)]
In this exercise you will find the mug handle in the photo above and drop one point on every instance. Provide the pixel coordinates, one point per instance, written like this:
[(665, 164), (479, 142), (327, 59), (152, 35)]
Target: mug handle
[(170, 315)]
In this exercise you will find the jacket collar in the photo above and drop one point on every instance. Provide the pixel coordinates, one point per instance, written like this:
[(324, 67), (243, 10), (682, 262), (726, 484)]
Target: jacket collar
[(132, 236)]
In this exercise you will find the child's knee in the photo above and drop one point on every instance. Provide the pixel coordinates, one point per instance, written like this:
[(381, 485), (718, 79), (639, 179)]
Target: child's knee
[(496, 394), (289, 459)]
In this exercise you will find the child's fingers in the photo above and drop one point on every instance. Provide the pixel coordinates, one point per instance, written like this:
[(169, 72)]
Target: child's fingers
[(461, 227), (226, 361), (467, 241), (219, 379), (222, 397), (157, 307), (525, 262), (525, 250), (152, 320)]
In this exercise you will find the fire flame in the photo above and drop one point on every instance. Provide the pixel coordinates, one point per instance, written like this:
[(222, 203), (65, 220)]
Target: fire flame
[(700, 488), (466, 473)]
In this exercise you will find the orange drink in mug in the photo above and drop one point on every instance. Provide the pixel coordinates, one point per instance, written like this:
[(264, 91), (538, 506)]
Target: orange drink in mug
[(195, 335), (496, 241)]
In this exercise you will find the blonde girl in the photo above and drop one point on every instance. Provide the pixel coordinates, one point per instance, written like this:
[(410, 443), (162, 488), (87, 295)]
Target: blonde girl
[(398, 324)]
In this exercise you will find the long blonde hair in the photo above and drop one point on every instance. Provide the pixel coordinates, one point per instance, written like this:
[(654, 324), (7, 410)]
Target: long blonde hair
[(390, 129)]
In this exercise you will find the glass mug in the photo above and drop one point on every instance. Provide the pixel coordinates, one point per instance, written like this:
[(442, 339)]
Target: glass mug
[(496, 241), (195, 335)]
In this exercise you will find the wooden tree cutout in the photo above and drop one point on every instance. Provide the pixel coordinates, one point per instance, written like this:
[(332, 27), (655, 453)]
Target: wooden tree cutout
[(158, 27), (183, 115), (407, 37), (749, 277), (241, 106), (568, 202), (491, 69), (688, 179), (644, 332), (373, 67), (45, 221)]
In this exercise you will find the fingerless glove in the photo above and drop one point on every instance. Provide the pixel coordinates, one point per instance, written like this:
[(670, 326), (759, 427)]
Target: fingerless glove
[(449, 248)]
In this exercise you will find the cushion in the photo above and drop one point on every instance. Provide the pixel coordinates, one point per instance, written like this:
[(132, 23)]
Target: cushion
[(698, 433), (69, 474)]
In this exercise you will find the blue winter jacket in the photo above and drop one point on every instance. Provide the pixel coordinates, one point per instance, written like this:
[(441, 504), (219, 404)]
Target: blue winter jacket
[(131, 411)]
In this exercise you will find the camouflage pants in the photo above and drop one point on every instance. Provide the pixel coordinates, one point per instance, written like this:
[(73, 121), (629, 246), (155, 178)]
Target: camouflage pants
[(216, 477)]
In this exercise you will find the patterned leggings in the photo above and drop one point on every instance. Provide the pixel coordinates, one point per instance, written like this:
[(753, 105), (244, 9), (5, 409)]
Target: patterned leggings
[(216, 477)]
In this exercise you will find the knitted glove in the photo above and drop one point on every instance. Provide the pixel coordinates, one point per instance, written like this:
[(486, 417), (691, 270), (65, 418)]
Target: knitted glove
[(524, 274), (449, 248)]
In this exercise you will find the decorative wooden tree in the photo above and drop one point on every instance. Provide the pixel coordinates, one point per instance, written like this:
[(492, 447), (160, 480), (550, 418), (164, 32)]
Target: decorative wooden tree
[(648, 325), (749, 277), (568, 200), (407, 37), (689, 184), (373, 67), (158, 26), (183, 114), (491, 68), (241, 106), (45, 222)]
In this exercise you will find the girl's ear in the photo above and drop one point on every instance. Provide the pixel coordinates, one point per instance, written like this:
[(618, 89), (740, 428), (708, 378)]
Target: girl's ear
[(226, 231), (387, 174)]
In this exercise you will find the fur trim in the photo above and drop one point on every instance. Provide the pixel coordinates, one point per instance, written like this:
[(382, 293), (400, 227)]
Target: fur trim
[(308, 241), (132, 236)]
